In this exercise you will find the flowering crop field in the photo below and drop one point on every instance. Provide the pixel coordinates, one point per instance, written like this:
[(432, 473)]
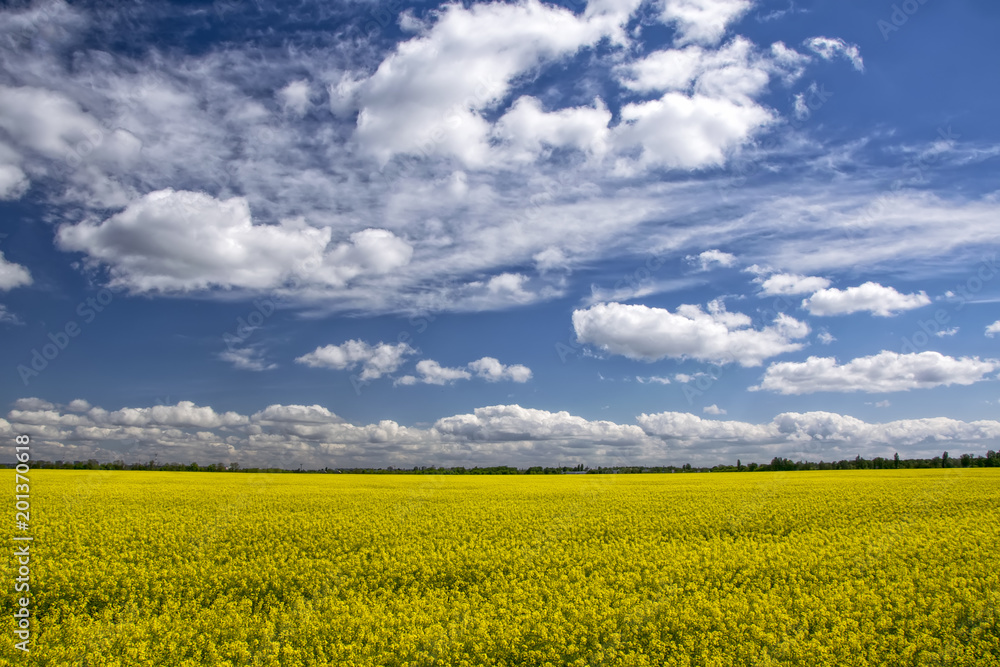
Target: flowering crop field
[(803, 568)]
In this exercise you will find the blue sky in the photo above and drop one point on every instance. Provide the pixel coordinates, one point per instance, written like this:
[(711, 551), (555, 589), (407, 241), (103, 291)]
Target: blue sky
[(499, 233)]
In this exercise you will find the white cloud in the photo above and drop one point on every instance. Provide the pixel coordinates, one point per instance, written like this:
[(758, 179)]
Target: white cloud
[(681, 132), (825, 337), (713, 410), (946, 332), (993, 329), (183, 241), (828, 48), (500, 291), (295, 414), (375, 360), (50, 131), (493, 371), (652, 379), (8, 317), (313, 436), (13, 181), (417, 102), (883, 372), (791, 283), (670, 69), (45, 121), (33, 404), (879, 404), (876, 230), (526, 129), (431, 372), (78, 405), (209, 122), (627, 291), (815, 435), (295, 97), (12, 275), (788, 62), (710, 258), (488, 368), (702, 21), (501, 423), (641, 332), (247, 359), (870, 296), (184, 414)]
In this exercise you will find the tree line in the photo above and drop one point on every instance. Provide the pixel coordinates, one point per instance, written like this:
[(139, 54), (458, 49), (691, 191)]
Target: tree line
[(990, 460)]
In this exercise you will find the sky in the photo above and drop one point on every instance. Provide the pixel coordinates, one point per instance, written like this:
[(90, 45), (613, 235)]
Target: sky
[(499, 233)]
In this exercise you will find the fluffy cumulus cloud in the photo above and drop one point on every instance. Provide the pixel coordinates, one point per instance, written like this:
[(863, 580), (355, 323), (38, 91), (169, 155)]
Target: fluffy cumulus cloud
[(418, 103), (710, 258), (871, 296), (504, 423), (707, 107), (185, 414), (375, 360), (33, 403), (814, 435), (12, 275), (488, 368), (364, 175), (993, 329), (527, 130), (649, 334), (181, 241), (678, 131), (431, 372), (492, 370), (883, 372), (829, 48), (791, 283), (702, 21), (313, 436)]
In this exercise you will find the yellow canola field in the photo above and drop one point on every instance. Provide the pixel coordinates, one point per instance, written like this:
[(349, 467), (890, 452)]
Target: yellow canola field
[(844, 568)]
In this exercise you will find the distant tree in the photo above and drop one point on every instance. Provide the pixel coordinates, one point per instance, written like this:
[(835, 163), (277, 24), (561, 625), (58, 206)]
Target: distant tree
[(895, 460), (944, 460)]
